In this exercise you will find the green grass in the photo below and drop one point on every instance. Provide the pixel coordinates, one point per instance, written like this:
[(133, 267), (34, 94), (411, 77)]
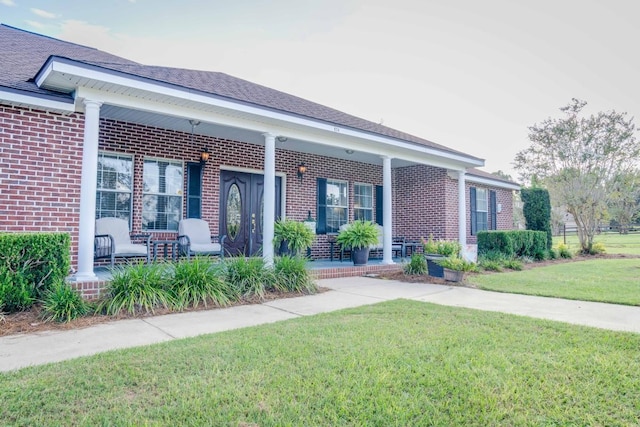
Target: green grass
[(402, 363), (614, 243), (604, 280)]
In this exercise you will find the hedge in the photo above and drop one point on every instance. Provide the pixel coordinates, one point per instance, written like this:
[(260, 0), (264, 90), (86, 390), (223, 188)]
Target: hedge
[(40, 259), (513, 243), (537, 211)]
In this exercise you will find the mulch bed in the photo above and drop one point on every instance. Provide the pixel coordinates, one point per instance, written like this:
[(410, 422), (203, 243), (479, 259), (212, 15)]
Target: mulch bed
[(29, 322)]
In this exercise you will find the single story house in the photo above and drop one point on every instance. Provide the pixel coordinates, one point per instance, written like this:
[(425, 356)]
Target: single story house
[(85, 134)]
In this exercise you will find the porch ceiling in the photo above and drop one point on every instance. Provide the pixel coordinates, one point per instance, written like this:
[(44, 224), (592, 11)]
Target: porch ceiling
[(180, 124)]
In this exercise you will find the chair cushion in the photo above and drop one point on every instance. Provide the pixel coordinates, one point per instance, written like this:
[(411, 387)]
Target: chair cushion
[(205, 247), (117, 227), (197, 230), (130, 249)]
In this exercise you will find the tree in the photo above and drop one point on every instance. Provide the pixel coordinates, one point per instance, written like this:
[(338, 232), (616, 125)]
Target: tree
[(537, 211), (577, 158), (624, 199)]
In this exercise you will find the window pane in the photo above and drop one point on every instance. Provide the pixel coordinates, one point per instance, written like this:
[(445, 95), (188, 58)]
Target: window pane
[(481, 219), (481, 200), (114, 184), (162, 198), (337, 193), (335, 218)]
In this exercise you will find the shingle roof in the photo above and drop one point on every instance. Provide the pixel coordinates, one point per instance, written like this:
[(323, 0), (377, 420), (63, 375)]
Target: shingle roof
[(23, 53)]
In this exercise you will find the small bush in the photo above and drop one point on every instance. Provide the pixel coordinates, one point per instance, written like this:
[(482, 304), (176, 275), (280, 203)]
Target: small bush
[(15, 293), (200, 280), (457, 264), (417, 265), (490, 265), (564, 251), (291, 275), (43, 259), (135, 288), (597, 248), (249, 276), (63, 304), (513, 264)]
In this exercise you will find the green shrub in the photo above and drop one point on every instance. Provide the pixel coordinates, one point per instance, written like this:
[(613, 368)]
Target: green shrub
[(513, 243), (43, 259), (537, 211), (135, 288), (60, 303), (200, 280), (447, 248), (564, 251), (15, 293), (457, 264), (513, 264), (597, 248), (249, 276), (291, 275), (490, 265), (417, 265)]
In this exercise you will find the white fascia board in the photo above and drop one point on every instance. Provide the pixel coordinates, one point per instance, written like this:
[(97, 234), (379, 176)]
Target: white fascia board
[(60, 65), (491, 182), (44, 102)]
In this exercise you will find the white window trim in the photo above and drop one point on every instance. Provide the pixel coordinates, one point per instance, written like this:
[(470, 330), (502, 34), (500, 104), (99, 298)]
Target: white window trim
[(108, 190), (181, 195)]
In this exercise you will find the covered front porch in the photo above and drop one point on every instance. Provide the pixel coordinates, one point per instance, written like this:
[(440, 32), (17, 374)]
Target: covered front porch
[(153, 128)]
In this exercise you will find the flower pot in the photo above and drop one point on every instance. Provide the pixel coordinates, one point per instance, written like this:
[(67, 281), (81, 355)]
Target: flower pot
[(360, 256), (453, 275), (434, 269), (284, 249)]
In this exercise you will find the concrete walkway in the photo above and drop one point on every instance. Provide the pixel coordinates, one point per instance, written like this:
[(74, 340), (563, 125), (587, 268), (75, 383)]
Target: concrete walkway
[(18, 351)]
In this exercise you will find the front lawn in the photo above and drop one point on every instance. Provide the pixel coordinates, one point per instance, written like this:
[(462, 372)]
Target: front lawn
[(403, 363), (614, 243), (604, 280)]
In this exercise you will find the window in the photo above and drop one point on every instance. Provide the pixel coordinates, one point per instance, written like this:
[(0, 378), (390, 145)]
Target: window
[(363, 202), (482, 203), (333, 205), (482, 209), (115, 186), (162, 194), (337, 205)]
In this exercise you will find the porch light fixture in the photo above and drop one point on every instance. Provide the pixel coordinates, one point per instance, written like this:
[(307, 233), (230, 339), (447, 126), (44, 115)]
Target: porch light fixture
[(348, 151), (282, 139), (204, 156), (302, 169)]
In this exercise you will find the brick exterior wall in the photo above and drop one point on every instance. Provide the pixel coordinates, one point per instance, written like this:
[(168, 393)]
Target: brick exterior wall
[(40, 168)]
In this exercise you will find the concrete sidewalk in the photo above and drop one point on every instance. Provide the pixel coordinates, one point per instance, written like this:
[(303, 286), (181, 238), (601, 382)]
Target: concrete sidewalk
[(19, 351)]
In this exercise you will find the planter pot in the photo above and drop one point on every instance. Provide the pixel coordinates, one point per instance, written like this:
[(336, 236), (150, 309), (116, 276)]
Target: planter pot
[(360, 256), (284, 249), (434, 269), (453, 275)]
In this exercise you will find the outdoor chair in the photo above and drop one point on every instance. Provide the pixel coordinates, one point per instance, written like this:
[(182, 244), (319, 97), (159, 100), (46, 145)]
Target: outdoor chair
[(113, 239), (195, 239)]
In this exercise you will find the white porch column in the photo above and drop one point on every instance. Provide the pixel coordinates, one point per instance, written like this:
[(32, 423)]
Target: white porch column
[(462, 212), (269, 197), (387, 214), (87, 226)]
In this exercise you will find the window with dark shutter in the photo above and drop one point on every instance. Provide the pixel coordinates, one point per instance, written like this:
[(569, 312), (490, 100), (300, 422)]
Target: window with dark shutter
[(194, 190), (474, 218)]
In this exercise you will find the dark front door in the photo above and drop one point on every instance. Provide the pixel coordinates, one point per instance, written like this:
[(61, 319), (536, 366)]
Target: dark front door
[(241, 206)]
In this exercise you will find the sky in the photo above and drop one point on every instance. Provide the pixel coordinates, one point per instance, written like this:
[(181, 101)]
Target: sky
[(470, 75)]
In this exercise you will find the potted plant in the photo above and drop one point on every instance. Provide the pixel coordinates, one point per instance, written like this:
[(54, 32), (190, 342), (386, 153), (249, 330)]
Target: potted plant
[(359, 236), (455, 267), (291, 237), (437, 250)]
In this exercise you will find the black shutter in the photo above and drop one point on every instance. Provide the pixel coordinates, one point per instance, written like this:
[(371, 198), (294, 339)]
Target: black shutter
[(493, 206), (194, 190), (321, 190), (379, 205), (474, 219)]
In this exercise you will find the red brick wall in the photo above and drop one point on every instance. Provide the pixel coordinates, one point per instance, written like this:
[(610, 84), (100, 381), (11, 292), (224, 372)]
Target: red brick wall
[(40, 167)]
